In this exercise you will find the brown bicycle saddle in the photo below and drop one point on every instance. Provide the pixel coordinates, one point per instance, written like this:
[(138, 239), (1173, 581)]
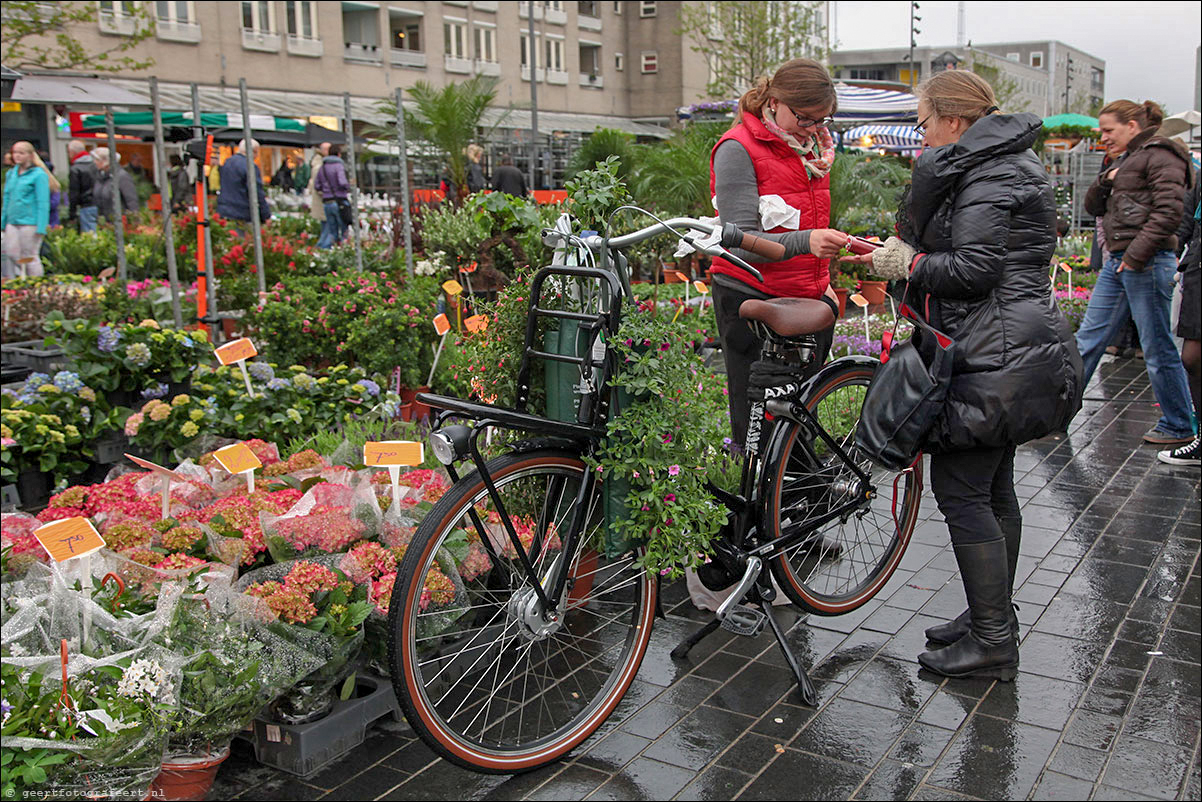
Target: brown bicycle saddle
[(789, 317)]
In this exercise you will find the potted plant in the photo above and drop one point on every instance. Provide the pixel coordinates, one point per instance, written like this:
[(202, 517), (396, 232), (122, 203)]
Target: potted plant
[(843, 284)]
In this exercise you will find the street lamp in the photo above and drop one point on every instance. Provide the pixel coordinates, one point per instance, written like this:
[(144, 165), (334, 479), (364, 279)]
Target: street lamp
[(914, 31)]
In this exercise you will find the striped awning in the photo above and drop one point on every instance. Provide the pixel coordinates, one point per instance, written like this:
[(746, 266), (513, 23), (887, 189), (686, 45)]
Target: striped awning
[(879, 105), (893, 137), (145, 119)]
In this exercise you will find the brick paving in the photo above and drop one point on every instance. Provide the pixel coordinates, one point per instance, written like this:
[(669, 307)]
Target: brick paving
[(1106, 704)]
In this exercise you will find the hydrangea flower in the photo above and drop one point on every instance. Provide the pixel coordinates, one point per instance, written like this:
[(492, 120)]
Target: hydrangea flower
[(138, 354), (278, 384), (67, 381), (260, 371), (160, 412), (189, 429), (108, 340), (304, 381), (133, 423), (158, 391), (370, 386)]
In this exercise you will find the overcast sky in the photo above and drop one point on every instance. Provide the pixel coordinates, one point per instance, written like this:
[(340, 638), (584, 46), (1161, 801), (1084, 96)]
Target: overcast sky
[(1148, 47)]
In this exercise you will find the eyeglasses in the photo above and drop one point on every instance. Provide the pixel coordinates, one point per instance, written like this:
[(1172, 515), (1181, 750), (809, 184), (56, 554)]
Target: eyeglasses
[(921, 128), (806, 122)]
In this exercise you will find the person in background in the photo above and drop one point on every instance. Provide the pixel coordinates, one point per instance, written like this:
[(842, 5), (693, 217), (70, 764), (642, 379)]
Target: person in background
[(283, 176), (233, 202), (81, 182), (509, 179), (301, 175), (1139, 199), (475, 172), (317, 206), (181, 187), (1189, 237), (332, 184), (25, 213), (977, 230), (103, 191), (56, 189)]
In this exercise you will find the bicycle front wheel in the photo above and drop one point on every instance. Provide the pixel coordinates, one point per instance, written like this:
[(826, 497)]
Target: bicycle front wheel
[(846, 561), (486, 679)]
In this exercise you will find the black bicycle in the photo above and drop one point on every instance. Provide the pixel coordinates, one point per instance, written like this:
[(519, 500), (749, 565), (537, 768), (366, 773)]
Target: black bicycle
[(515, 631)]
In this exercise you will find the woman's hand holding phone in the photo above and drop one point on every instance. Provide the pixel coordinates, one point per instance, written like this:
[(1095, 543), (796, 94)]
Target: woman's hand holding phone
[(826, 243)]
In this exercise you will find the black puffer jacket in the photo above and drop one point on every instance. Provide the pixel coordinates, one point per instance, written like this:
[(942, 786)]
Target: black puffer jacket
[(982, 213)]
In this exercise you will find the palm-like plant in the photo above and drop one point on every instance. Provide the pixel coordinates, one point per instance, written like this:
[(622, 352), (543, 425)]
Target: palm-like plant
[(859, 181), (449, 118), (600, 145), (673, 176)]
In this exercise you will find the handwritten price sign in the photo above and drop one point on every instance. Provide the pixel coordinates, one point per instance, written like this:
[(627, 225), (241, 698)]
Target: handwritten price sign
[(393, 452), (237, 458), (69, 538), (441, 324), (236, 351)]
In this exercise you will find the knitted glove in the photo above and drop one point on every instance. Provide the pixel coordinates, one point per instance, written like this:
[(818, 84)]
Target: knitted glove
[(893, 260)]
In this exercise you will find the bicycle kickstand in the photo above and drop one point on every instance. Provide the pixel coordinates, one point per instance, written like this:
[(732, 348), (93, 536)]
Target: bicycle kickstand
[(682, 649), (805, 687)]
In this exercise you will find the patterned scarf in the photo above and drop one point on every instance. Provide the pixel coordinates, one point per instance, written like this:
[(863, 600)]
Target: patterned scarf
[(817, 153)]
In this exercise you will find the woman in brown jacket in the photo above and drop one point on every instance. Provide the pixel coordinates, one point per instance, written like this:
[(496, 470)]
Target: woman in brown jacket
[(1139, 199)]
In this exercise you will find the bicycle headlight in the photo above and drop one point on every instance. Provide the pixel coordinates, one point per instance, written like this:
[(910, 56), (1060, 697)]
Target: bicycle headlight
[(450, 443)]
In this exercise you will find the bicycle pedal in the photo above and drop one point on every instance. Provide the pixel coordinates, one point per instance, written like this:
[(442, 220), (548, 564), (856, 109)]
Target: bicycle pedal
[(745, 621)]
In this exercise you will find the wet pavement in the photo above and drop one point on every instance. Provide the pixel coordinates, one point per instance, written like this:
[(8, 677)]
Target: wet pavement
[(1106, 704)]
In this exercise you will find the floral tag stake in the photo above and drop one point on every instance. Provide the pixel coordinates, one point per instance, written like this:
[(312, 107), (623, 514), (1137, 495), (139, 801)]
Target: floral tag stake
[(167, 475), (238, 458), (441, 327), (393, 454), (69, 538), (862, 302), (238, 351)]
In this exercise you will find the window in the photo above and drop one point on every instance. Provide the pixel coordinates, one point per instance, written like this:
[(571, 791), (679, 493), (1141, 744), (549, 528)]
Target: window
[(647, 9), (178, 11), (554, 5), (619, 62), (1037, 60), (486, 44), (867, 75), (117, 9), (258, 16), (650, 62), (554, 50), (618, 7), (590, 58), (1014, 56), (453, 37), (525, 50), (406, 34), (588, 8), (302, 19)]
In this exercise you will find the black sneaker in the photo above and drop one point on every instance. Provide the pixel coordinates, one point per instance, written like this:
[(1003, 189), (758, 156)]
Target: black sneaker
[(1189, 454)]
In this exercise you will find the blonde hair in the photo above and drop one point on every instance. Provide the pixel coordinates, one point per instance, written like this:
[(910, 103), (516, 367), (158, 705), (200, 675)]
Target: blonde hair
[(1148, 114), (474, 152), (55, 186), (800, 84), (959, 93)]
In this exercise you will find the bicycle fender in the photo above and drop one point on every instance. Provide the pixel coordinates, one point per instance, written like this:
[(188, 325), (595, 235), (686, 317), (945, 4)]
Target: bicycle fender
[(536, 443)]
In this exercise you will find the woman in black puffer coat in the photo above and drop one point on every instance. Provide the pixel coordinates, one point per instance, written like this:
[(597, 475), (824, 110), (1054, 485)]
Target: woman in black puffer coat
[(976, 235)]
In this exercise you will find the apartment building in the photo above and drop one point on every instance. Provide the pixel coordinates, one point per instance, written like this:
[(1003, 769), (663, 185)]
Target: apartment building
[(1076, 80)]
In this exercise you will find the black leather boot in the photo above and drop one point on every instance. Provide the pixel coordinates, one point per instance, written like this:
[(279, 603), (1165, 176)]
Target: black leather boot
[(952, 631), (989, 648)]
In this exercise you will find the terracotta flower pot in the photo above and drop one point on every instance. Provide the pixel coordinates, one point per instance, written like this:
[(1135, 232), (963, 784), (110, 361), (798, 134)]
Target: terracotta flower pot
[(188, 778), (841, 293), (874, 291), (585, 569)]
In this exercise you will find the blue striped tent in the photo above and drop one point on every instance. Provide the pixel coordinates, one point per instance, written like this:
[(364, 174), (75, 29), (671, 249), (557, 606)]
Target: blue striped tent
[(875, 105), (890, 137)]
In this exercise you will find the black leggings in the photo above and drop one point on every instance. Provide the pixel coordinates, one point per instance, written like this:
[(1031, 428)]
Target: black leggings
[(740, 347), (974, 490)]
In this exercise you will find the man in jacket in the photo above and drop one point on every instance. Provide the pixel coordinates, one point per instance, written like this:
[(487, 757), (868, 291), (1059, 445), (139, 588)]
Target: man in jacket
[(331, 183), (1140, 202), (233, 202), (509, 179), (106, 186), (81, 182)]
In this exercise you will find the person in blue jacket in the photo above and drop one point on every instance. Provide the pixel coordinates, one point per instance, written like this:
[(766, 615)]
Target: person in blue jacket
[(233, 202), (25, 213)]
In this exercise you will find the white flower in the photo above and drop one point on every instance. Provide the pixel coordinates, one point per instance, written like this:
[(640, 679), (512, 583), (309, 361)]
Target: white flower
[(145, 678)]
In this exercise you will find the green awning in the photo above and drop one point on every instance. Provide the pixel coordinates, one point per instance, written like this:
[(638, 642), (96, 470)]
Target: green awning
[(1062, 120), (145, 119)]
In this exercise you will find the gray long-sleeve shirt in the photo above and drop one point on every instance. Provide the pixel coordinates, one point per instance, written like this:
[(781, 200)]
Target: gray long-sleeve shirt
[(739, 201)]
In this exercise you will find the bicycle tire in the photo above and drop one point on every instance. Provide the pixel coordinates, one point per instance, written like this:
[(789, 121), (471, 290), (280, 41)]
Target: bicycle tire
[(574, 676), (816, 575)]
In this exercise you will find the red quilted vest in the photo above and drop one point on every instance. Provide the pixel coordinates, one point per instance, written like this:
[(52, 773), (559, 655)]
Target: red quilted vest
[(779, 171)]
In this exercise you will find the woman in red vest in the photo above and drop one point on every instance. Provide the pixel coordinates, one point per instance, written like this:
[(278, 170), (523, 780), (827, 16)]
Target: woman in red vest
[(769, 175)]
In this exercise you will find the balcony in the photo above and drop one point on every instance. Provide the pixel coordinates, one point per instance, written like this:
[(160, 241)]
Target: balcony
[(557, 16), (260, 40), (524, 10), (460, 65), (487, 67), (540, 74), (360, 53), (588, 23), (408, 58), (485, 5), (119, 24), (592, 81), (304, 46), (559, 77), (171, 31)]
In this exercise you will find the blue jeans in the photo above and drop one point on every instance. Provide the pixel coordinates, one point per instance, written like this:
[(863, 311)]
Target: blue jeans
[(1148, 296), (332, 228), (88, 217)]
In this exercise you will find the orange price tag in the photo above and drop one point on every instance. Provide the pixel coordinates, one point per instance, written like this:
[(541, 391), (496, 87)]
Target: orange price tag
[(237, 458), (683, 278), (859, 300), (1064, 266), (69, 538), (393, 452), (107, 272), (452, 287), (441, 324), (476, 323), (701, 287), (469, 269), (236, 351), (159, 469)]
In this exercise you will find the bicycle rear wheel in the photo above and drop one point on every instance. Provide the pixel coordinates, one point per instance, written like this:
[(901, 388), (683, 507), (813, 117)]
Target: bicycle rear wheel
[(849, 559), (485, 680)]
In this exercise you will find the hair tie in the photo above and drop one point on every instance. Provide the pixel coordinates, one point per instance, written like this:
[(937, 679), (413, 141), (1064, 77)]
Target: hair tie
[(991, 110)]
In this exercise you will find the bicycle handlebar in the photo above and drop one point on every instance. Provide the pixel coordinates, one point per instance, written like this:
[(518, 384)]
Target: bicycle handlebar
[(672, 226)]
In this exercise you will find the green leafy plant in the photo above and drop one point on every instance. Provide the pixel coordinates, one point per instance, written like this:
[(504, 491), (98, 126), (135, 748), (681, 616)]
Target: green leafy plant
[(600, 145), (673, 176), (858, 183), (594, 194)]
